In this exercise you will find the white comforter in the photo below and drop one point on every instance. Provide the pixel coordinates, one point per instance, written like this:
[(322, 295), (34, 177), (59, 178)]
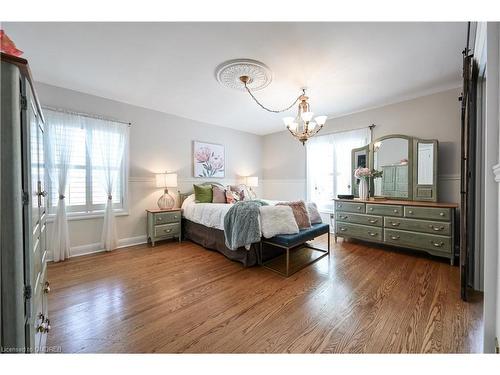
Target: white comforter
[(208, 214)]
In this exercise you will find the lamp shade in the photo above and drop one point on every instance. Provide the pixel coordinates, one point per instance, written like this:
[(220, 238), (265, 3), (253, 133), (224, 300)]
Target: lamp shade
[(164, 180), (253, 181)]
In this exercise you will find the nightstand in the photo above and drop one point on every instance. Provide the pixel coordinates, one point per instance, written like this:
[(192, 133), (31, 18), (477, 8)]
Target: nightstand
[(164, 224)]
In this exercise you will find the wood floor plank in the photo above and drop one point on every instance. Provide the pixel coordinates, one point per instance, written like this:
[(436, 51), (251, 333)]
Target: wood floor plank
[(178, 298)]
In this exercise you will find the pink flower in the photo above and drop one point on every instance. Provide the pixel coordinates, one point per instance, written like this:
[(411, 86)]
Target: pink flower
[(203, 155), (217, 162), (362, 172)]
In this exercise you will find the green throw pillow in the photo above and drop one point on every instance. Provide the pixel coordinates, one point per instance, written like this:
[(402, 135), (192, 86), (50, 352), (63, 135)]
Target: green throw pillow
[(203, 194)]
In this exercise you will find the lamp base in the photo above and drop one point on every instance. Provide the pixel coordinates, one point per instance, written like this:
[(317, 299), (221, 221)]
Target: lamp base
[(166, 202)]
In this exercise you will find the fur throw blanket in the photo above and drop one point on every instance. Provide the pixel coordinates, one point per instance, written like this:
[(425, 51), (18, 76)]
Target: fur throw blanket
[(241, 224)]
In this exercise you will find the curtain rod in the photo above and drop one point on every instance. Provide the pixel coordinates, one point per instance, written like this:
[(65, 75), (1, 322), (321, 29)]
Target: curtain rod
[(84, 114)]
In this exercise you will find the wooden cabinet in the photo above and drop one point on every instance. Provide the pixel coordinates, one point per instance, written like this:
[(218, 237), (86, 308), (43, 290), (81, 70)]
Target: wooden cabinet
[(24, 287), (163, 225), (424, 226)]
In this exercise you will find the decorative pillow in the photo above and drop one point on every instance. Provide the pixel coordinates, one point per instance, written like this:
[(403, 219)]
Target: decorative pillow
[(277, 220), (242, 191), (218, 194), (299, 212), (231, 196), (313, 212), (202, 193)]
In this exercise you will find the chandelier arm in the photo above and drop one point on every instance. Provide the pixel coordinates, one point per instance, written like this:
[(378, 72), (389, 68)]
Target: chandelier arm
[(272, 110)]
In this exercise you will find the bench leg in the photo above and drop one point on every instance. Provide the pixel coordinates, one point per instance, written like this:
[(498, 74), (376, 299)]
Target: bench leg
[(328, 242), (287, 261)]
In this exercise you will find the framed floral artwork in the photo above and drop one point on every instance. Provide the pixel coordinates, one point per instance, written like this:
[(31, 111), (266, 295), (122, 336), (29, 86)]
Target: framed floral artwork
[(208, 160)]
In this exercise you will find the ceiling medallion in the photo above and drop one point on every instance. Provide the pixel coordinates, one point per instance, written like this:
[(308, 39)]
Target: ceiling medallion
[(228, 74), (251, 75)]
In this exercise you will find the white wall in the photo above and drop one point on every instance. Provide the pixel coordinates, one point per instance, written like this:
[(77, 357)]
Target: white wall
[(435, 116), (158, 142)]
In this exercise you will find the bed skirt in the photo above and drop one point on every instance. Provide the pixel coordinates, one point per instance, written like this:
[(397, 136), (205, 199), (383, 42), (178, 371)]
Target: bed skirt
[(213, 239)]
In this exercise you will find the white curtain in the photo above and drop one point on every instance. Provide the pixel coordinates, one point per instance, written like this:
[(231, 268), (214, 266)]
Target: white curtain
[(329, 165), (58, 150), (106, 141)]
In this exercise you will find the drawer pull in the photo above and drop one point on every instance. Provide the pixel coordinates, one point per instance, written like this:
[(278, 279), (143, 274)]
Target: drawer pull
[(343, 229), (160, 219), (436, 229), (437, 244), (358, 208), (394, 237), (395, 224), (339, 205), (370, 209), (344, 217), (395, 211), (372, 234), (410, 212), (441, 214), (373, 221), (167, 230)]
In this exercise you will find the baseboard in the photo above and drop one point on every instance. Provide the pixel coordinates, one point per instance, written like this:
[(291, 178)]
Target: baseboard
[(93, 248)]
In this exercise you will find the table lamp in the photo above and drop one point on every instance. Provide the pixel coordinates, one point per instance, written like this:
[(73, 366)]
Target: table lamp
[(166, 180), (252, 181)]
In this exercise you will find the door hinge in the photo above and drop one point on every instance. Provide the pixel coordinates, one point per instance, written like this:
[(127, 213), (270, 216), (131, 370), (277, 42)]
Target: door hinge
[(24, 102), (26, 198), (497, 346), (27, 291)]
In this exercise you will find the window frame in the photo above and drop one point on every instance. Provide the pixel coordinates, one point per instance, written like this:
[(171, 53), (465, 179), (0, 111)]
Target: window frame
[(91, 210)]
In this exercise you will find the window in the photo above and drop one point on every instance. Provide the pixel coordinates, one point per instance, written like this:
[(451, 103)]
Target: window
[(329, 169), (85, 193)]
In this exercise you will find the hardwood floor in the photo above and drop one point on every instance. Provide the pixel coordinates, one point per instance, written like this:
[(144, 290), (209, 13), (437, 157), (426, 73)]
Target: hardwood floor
[(182, 298)]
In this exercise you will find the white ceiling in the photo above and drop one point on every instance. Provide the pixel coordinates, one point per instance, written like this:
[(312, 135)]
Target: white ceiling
[(170, 67)]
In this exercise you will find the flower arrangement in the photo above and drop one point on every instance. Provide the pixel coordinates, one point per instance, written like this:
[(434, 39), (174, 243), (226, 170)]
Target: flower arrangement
[(367, 173)]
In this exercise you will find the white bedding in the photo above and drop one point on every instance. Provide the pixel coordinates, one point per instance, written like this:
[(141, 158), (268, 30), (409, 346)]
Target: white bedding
[(208, 214)]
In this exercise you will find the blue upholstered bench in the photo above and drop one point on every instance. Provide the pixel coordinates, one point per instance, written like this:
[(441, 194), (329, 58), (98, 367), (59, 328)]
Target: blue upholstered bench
[(290, 241)]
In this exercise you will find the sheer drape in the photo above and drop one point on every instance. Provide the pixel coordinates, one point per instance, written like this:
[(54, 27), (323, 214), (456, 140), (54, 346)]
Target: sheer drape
[(329, 165), (106, 141), (58, 150)]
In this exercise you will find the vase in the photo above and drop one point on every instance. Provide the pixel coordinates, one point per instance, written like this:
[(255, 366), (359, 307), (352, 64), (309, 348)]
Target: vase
[(363, 188)]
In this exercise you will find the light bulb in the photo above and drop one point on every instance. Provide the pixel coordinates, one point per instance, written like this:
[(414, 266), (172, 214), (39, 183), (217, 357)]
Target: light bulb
[(293, 126), (288, 120), (311, 126), (307, 116), (320, 120)]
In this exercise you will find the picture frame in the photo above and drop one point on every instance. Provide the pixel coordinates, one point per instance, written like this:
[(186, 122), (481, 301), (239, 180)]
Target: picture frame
[(209, 160)]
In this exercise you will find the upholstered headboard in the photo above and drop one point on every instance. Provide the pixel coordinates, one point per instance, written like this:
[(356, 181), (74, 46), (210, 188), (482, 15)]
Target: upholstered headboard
[(183, 196)]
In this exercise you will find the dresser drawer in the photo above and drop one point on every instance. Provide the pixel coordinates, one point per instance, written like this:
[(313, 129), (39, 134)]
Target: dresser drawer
[(167, 230), (350, 207), (167, 217), (433, 213), (418, 240), (425, 226), (384, 209), (359, 231), (359, 219)]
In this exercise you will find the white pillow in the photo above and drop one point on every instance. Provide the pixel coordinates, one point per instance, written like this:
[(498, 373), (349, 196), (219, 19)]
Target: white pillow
[(187, 201), (313, 212), (276, 220)]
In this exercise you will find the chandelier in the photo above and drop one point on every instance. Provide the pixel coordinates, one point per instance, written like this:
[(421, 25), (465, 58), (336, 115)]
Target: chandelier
[(253, 75)]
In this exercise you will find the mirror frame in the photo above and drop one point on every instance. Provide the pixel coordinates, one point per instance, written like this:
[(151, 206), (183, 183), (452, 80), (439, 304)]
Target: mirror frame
[(425, 192), (354, 186), (416, 192), (410, 164)]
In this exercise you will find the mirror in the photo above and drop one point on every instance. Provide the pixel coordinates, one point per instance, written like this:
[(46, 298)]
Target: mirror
[(425, 157), (408, 166), (391, 157), (359, 159)]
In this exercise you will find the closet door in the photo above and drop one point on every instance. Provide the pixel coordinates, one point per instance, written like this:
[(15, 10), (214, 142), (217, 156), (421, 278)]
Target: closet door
[(35, 244)]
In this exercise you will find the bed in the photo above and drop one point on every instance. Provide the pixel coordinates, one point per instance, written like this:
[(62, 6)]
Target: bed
[(203, 223)]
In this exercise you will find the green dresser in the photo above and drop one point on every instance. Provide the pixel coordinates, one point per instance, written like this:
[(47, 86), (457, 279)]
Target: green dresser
[(164, 225), (416, 225)]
